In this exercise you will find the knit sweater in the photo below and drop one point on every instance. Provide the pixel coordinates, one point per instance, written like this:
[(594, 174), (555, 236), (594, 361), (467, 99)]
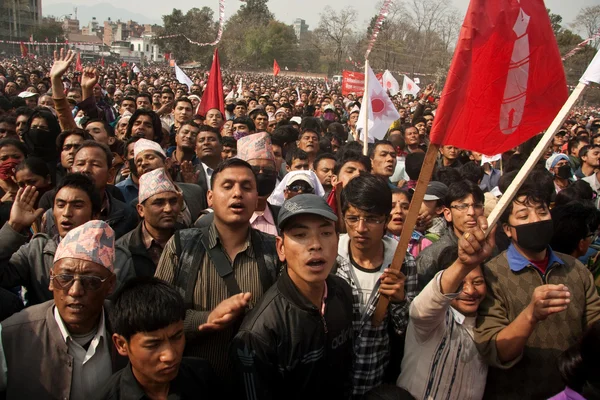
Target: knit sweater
[(511, 280)]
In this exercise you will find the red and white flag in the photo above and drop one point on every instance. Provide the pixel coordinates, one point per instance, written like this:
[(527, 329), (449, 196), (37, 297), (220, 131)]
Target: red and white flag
[(390, 83), (506, 82), (276, 68), (381, 110), (409, 87)]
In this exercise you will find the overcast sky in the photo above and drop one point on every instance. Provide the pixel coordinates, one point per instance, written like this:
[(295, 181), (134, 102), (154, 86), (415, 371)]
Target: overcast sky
[(288, 10)]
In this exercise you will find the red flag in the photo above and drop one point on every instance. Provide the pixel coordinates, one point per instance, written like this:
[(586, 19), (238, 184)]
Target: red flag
[(23, 50), (213, 95), (275, 68), (102, 61), (506, 82), (78, 66)]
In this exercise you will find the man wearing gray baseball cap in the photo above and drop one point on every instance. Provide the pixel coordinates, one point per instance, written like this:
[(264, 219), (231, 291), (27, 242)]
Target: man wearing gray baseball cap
[(303, 323)]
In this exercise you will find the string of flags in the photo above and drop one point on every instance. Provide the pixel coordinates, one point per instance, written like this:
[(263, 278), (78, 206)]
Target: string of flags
[(581, 45), (385, 8), (219, 31)]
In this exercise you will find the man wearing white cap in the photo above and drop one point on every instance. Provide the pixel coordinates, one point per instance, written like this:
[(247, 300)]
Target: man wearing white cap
[(558, 164), (159, 205), (30, 98), (67, 339), (148, 156)]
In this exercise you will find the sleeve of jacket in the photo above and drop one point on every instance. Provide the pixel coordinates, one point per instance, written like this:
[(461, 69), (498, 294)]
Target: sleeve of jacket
[(592, 300), (419, 110), (65, 117), (88, 106), (165, 270), (124, 269), (400, 311), (14, 261), (255, 362), (492, 317)]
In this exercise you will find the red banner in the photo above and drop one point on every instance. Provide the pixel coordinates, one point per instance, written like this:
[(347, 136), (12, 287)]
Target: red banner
[(354, 82)]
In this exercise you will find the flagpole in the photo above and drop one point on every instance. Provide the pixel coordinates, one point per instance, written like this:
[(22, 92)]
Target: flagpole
[(365, 104), (535, 156)]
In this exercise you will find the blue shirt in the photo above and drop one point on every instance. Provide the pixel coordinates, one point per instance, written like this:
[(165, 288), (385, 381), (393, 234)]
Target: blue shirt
[(129, 189), (490, 181), (516, 261)]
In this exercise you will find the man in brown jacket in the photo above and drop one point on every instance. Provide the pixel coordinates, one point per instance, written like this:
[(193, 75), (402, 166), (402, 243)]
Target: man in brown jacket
[(538, 304), (62, 349)]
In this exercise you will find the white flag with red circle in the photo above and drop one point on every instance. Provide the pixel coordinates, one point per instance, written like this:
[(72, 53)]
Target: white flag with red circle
[(381, 110), (390, 83), (409, 87)]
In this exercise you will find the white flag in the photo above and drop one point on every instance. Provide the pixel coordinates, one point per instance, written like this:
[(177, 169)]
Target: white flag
[(135, 69), (182, 77), (381, 110), (230, 95), (240, 90), (390, 83), (409, 87), (592, 73)]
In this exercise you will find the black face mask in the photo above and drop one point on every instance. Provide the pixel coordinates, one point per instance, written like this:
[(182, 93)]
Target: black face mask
[(266, 182), (41, 143), (535, 236), (564, 172)]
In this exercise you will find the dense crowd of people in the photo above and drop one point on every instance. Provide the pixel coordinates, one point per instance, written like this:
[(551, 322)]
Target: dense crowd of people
[(150, 250)]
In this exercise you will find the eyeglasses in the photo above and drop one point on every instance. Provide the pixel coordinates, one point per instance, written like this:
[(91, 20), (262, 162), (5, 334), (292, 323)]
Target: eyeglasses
[(89, 282), (301, 188), (464, 207), (369, 221)]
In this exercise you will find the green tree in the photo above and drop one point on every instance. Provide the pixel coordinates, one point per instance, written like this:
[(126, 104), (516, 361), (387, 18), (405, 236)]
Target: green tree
[(48, 29)]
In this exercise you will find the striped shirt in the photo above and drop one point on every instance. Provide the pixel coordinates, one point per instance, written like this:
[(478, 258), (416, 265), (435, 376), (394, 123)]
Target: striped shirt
[(210, 290)]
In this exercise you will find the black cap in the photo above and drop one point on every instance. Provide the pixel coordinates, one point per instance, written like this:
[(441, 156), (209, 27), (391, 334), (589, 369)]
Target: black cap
[(304, 204), (436, 191)]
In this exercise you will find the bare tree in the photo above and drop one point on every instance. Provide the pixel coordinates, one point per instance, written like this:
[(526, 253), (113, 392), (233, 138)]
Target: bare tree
[(588, 21), (334, 33)]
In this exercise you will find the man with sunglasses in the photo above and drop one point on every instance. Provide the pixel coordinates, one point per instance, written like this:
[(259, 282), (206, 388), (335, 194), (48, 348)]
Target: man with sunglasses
[(364, 258), (68, 338), (462, 205), (301, 184)]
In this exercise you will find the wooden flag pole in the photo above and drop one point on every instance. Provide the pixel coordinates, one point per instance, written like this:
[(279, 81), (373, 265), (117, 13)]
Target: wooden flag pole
[(409, 224), (365, 105), (535, 156), (338, 202)]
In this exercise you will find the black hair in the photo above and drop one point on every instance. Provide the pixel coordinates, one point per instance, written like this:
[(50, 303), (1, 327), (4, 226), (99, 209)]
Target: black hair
[(45, 114), (578, 365), (183, 99), (258, 111), (325, 144), (9, 119), (584, 150), (228, 141), (98, 145), (128, 98), (109, 129), (11, 141), (229, 163), (377, 144), (295, 154), (413, 164), (311, 124), (580, 191), (515, 162), (144, 94), (571, 225), (446, 175), (145, 304), (286, 133), (241, 103), (207, 128), (36, 165), (23, 111), (156, 124), (246, 121), (344, 157), (471, 172), (573, 143), (461, 189), (368, 193), (84, 183), (322, 156), (532, 193)]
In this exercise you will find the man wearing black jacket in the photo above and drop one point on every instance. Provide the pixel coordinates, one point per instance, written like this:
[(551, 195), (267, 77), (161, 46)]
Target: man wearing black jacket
[(297, 342)]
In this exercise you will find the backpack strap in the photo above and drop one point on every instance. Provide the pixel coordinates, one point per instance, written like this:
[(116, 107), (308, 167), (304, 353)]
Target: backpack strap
[(221, 263), (187, 270)]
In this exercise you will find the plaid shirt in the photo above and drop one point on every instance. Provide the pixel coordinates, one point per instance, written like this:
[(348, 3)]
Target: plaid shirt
[(371, 343)]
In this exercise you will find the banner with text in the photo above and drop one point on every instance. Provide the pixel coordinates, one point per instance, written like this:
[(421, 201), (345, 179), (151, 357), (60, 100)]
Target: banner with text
[(354, 82)]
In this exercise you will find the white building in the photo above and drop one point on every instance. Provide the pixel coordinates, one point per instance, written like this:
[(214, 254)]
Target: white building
[(139, 50)]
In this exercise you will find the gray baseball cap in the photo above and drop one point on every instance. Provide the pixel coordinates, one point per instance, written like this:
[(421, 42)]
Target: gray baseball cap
[(436, 191), (304, 204)]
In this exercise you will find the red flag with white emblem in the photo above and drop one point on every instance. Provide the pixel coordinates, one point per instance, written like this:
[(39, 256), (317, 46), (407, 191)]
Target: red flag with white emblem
[(506, 82), (381, 112)]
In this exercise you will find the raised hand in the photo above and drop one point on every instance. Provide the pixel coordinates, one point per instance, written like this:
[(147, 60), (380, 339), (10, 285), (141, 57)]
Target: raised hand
[(89, 78), (428, 91), (62, 62), (23, 212), (473, 246), (189, 173), (226, 312)]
